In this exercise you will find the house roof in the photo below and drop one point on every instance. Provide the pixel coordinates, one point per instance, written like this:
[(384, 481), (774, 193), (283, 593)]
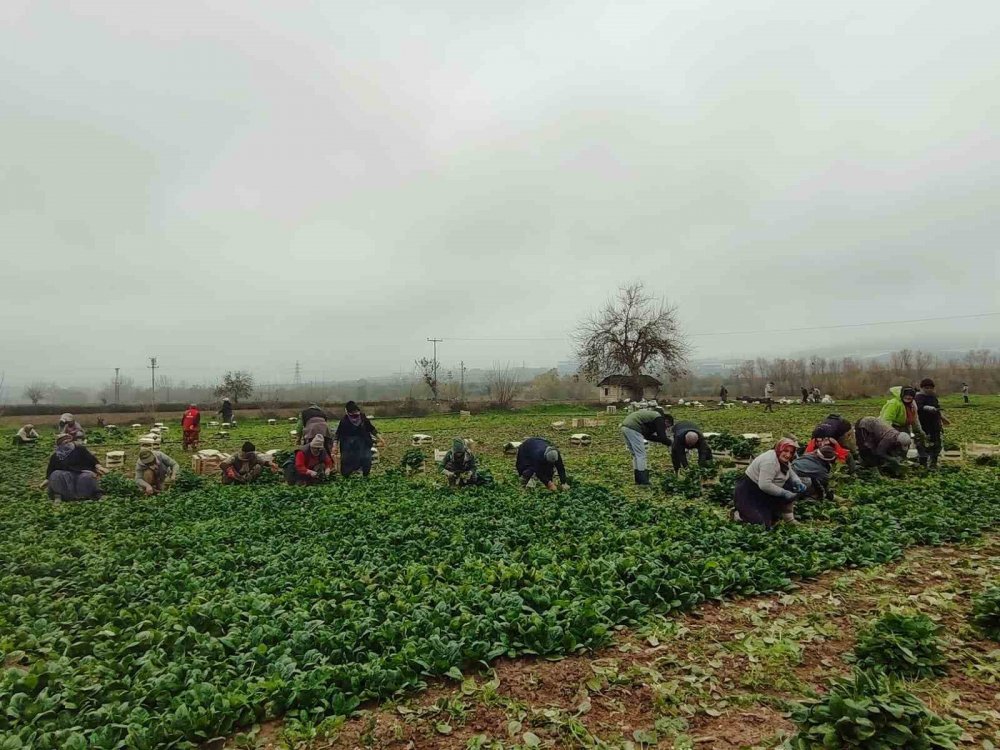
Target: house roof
[(644, 381)]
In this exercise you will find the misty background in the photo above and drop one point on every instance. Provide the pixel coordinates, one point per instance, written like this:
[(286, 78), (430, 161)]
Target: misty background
[(244, 186)]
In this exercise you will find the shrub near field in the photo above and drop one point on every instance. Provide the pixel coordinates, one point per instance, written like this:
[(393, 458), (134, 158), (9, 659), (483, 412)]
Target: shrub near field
[(147, 623)]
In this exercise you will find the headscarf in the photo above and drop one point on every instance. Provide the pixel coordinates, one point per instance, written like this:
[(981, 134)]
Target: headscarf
[(317, 442), (691, 439), (903, 438), (355, 419), (66, 417), (458, 445), (551, 454), (64, 446), (783, 443)]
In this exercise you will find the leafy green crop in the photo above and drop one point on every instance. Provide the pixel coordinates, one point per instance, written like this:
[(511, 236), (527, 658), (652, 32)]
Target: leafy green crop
[(901, 645), (740, 446), (873, 712), (986, 612), (413, 460)]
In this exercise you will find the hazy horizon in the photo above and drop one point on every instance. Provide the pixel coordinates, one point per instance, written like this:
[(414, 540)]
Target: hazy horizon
[(230, 186)]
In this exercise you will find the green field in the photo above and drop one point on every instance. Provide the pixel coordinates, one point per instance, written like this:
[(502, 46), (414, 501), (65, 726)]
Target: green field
[(171, 621)]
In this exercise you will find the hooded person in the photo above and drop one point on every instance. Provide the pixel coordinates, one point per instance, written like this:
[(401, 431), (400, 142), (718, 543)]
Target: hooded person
[(26, 435), (72, 473), (314, 422), (838, 433), (901, 412), (813, 468), (355, 437), (879, 443), (459, 465), (932, 421), (687, 436), (69, 425), (245, 466), (538, 459), (312, 463), (767, 491), (191, 427), (226, 410), (637, 428), (154, 471)]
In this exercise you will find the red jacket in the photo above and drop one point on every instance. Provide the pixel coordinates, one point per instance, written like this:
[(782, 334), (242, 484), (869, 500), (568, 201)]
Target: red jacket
[(305, 461), (191, 419)]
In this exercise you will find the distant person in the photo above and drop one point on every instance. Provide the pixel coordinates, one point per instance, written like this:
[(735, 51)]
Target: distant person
[(226, 410), (314, 422), (69, 426), (965, 392), (932, 422), (805, 395), (355, 438), (459, 465), (817, 395), (768, 394), (312, 463), (73, 471), (880, 444), (191, 427), (538, 459), (768, 489), (26, 435), (154, 471), (687, 436), (723, 394), (246, 466), (813, 468), (637, 428)]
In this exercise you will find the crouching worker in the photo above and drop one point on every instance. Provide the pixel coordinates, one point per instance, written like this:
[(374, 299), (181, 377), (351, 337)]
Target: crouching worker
[(687, 437), (538, 459), (459, 465), (26, 435), (813, 468), (72, 473), (637, 428), (880, 445), (154, 471), (767, 491), (245, 466), (312, 464)]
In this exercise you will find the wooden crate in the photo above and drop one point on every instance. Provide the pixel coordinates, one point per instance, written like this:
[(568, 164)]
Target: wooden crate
[(951, 456), (114, 459), (612, 410), (981, 449), (560, 425), (439, 455), (272, 421), (511, 447), (580, 438), (463, 414), (421, 439)]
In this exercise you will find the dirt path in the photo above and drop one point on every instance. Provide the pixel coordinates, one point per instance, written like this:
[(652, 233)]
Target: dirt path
[(720, 677)]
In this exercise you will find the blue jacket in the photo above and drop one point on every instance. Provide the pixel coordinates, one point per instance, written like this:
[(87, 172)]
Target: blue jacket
[(531, 461)]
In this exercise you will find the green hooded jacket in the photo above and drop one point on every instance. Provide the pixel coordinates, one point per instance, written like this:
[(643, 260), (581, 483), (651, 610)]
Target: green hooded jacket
[(894, 412)]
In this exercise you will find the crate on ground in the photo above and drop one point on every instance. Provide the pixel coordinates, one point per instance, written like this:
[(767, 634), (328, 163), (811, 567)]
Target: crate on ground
[(580, 438), (207, 461), (137, 426), (981, 449), (463, 414), (612, 409), (114, 459), (222, 434), (272, 421), (421, 439), (439, 455), (951, 456), (293, 419), (593, 423), (560, 425), (511, 446), (157, 424), (227, 424), (110, 427), (213, 424), (150, 440)]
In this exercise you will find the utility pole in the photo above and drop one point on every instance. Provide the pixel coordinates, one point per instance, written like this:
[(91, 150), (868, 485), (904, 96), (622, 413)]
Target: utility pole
[(462, 386), (118, 383), (436, 342), (298, 373), (152, 376)]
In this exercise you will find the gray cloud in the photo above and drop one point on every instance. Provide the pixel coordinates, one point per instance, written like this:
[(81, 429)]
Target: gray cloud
[(241, 185)]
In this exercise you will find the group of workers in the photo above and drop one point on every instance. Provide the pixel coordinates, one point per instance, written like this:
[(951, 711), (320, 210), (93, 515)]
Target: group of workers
[(766, 493)]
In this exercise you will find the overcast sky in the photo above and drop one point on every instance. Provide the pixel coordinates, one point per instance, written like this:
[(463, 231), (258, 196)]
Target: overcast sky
[(246, 184)]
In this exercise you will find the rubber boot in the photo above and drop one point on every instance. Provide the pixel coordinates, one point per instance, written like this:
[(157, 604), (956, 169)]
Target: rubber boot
[(641, 478)]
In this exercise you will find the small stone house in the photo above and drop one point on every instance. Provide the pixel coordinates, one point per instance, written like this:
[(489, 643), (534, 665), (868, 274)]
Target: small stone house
[(615, 388)]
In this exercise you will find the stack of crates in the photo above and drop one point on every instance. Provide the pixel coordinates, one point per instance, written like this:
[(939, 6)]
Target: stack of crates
[(207, 461), (114, 459)]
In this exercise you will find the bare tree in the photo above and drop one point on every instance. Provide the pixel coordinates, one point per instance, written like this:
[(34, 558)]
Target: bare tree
[(35, 393), (635, 332), (428, 374), (503, 384)]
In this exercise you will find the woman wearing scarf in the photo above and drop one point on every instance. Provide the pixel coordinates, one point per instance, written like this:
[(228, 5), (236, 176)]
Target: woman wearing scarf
[(355, 436), (72, 471), (766, 493), (838, 433), (311, 465), (314, 423), (901, 412), (69, 425)]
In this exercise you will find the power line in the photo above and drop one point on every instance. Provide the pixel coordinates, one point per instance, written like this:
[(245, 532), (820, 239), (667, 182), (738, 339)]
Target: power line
[(152, 376)]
